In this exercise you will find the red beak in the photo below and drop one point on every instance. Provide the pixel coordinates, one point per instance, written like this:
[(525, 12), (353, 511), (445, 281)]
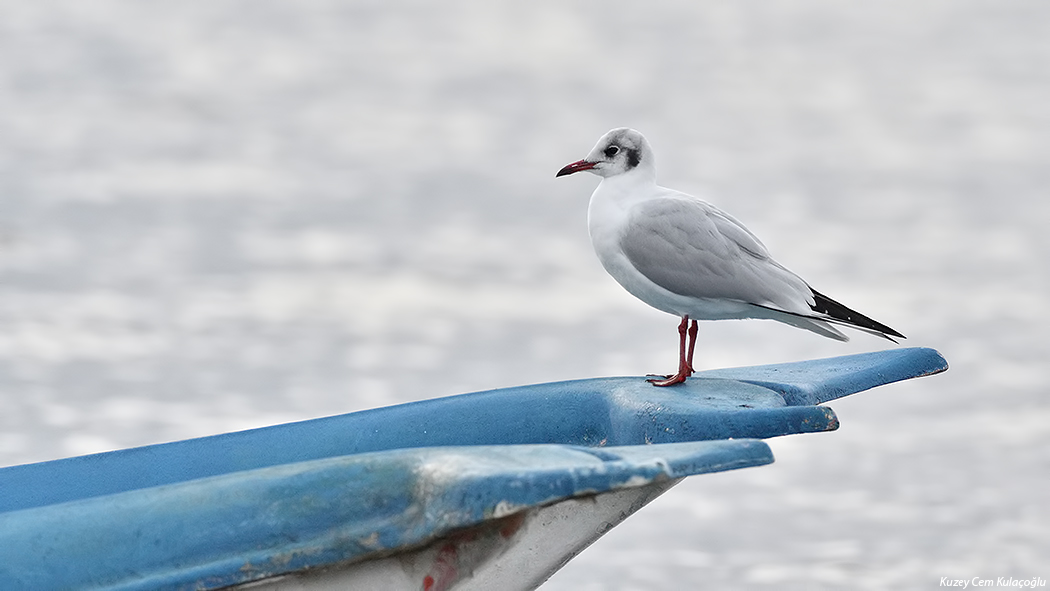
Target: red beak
[(575, 167)]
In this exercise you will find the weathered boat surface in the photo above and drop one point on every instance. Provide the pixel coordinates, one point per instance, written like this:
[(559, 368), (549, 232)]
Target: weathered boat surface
[(493, 489)]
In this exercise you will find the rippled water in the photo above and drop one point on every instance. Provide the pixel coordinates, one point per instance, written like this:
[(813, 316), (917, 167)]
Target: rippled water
[(219, 216)]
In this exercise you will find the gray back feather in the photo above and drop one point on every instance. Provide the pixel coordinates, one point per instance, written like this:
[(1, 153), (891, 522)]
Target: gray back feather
[(690, 248)]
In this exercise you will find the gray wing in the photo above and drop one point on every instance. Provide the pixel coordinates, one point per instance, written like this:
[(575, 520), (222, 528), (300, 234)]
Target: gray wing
[(691, 248)]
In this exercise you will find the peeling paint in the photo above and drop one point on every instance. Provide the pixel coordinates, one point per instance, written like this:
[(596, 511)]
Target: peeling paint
[(504, 508)]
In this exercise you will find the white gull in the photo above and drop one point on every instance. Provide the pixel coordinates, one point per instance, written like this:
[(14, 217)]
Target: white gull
[(686, 257)]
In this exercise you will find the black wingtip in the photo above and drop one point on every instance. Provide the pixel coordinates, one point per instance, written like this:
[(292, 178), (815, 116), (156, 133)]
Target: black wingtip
[(822, 304)]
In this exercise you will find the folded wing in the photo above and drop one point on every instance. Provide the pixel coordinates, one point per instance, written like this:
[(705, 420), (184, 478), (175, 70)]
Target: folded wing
[(690, 248)]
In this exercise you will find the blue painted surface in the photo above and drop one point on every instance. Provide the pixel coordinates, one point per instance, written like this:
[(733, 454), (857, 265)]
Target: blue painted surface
[(822, 380), (303, 493), (249, 525), (757, 402)]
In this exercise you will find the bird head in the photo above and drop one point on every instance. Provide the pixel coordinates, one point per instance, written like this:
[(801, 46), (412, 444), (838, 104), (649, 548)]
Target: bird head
[(620, 151)]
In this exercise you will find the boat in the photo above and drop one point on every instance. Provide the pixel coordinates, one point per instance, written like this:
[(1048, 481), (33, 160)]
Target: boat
[(487, 490)]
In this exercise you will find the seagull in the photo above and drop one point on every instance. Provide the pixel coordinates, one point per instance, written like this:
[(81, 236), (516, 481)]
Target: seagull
[(686, 257)]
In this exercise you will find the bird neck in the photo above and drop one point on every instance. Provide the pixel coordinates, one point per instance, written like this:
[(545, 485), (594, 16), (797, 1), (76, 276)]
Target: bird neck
[(627, 189)]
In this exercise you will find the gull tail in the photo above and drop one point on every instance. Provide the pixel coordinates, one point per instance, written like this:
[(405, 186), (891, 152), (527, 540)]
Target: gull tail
[(839, 314), (817, 325)]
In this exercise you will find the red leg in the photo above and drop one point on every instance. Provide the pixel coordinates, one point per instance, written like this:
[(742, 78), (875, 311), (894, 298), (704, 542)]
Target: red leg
[(693, 329), (684, 367)]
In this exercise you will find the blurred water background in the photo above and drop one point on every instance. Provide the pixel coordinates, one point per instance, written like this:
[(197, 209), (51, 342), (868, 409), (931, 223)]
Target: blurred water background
[(222, 215)]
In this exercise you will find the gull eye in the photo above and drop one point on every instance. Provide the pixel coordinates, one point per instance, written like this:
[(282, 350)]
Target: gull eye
[(611, 151)]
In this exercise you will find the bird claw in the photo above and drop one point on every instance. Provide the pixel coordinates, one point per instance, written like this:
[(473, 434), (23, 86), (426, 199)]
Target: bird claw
[(677, 378)]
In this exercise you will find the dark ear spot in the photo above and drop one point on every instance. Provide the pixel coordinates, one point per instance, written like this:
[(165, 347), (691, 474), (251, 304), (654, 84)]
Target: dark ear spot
[(634, 156)]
